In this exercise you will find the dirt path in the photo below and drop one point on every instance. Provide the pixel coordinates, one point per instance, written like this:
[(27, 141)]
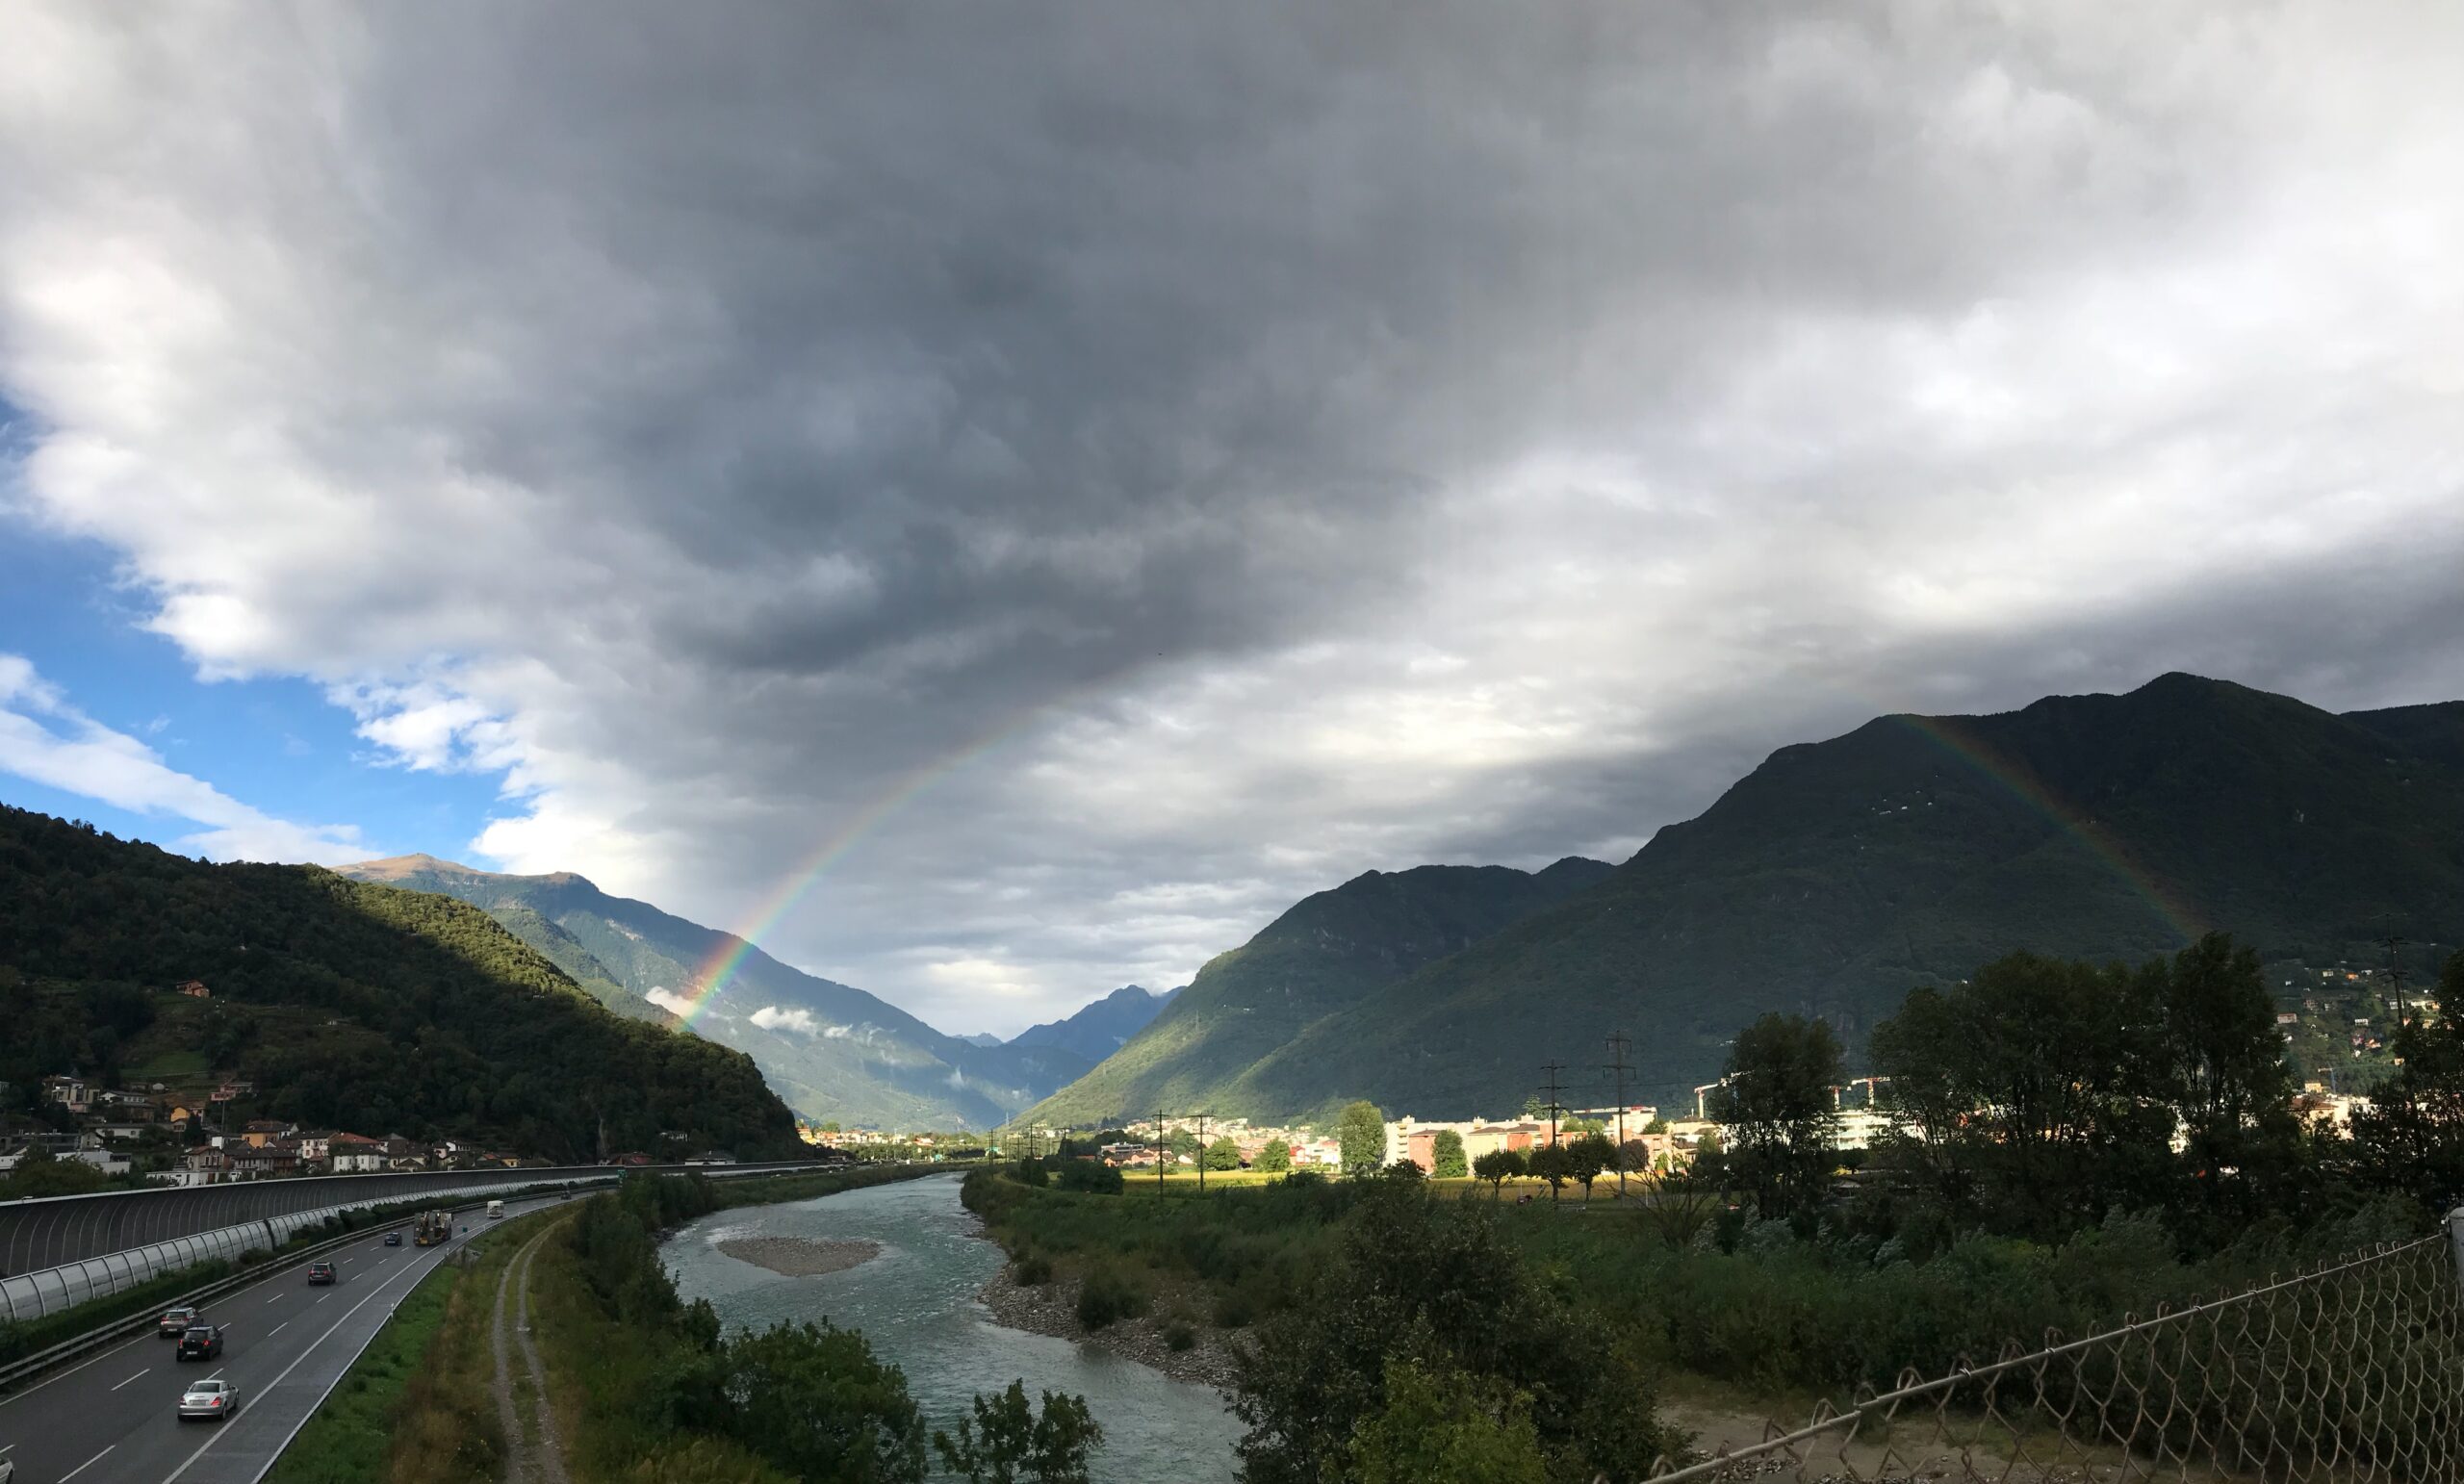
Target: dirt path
[(531, 1454)]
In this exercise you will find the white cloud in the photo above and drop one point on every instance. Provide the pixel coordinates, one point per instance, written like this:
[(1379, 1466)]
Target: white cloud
[(668, 1000), (1089, 507), (800, 1022), (44, 738)]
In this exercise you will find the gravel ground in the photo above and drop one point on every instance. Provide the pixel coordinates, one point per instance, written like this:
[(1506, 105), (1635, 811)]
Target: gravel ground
[(1052, 1309), (798, 1257)]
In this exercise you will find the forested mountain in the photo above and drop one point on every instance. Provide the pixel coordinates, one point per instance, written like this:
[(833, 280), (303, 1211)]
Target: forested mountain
[(833, 1052), (352, 1005), (1321, 956), (1839, 873), (1101, 1029)]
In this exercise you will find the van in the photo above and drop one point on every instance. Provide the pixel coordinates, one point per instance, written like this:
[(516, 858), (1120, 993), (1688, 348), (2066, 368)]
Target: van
[(496, 1211)]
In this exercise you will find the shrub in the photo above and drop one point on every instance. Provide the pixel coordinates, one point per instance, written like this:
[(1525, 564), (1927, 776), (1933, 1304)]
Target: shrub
[(1108, 1295), (1091, 1177), (1178, 1336), (1032, 1269)]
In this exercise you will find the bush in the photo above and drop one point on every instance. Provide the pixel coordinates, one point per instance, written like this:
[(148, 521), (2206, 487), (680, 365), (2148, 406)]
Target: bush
[(812, 1399), (1178, 1336), (1091, 1177), (1107, 1297), (1032, 1270)]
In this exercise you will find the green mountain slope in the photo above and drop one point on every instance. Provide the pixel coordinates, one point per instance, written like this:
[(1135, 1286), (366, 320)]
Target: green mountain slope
[(352, 1005), (833, 1052), (1321, 955), (1910, 851)]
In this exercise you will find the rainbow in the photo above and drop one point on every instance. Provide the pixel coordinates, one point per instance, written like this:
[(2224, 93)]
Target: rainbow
[(722, 966), (2099, 842), (733, 948)]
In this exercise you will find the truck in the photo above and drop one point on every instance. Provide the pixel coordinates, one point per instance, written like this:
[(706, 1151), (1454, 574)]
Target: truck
[(431, 1228), (496, 1211)]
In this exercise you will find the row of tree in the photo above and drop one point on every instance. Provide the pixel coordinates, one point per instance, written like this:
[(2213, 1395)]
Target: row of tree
[(2044, 1092)]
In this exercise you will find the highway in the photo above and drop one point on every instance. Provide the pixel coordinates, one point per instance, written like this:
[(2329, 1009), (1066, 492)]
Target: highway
[(114, 1419)]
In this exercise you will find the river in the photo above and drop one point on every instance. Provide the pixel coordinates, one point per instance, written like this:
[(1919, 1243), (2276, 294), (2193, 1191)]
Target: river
[(917, 1303)]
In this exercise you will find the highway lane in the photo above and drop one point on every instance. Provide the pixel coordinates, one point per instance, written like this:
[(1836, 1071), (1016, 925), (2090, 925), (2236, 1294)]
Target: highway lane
[(113, 1419)]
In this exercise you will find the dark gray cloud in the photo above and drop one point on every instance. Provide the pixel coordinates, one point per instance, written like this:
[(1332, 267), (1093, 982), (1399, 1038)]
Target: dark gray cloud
[(1115, 468)]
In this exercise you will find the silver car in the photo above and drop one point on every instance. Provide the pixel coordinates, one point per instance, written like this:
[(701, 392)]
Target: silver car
[(212, 1401)]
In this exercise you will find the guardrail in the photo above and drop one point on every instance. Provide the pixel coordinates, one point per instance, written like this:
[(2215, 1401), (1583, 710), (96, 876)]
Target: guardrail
[(272, 1214), (15, 1371), (29, 1366)]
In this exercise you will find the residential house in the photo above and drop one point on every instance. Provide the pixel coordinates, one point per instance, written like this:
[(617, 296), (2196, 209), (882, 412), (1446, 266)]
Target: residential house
[(312, 1146), (194, 989), (207, 1159), (103, 1160), (69, 1092), (259, 1161), (353, 1155), (261, 1132)]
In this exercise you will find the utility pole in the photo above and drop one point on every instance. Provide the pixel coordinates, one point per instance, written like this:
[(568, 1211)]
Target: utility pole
[(1162, 1147), (2395, 947), (1201, 1154), (1618, 1064), (1555, 1107)]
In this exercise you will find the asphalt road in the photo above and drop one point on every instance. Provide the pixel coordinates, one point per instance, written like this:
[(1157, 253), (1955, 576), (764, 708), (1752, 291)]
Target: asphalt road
[(114, 1419)]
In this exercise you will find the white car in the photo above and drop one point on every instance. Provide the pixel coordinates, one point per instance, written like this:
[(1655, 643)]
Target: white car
[(212, 1401)]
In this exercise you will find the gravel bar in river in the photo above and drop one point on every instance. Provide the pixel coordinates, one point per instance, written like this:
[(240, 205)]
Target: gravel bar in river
[(799, 1256)]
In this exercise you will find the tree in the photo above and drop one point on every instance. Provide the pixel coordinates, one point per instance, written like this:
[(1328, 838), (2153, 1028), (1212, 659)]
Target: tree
[(1447, 1156), (1276, 1158), (1777, 1109), (1222, 1154), (1360, 1132), (1658, 1125), (2044, 1093), (1497, 1167), (1092, 1177), (1551, 1163), (1587, 1158), (1007, 1442), (1442, 1427), (1181, 1142), (1436, 1281), (813, 1399), (2410, 1139)]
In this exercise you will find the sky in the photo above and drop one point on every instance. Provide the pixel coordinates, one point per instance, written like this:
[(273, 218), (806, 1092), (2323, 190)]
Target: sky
[(1005, 502)]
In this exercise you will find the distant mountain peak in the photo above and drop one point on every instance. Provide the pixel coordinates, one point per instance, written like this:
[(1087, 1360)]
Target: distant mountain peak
[(393, 867)]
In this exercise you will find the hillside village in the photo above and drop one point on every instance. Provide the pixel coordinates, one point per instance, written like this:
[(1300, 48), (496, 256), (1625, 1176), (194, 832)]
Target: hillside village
[(193, 1126)]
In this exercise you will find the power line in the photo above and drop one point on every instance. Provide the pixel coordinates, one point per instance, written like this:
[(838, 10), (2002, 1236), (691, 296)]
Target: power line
[(1618, 1065)]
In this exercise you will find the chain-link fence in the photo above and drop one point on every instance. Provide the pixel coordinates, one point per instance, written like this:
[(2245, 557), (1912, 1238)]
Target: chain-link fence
[(2352, 1371)]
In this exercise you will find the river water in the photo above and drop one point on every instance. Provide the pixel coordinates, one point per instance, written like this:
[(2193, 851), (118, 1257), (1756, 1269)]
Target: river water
[(917, 1303)]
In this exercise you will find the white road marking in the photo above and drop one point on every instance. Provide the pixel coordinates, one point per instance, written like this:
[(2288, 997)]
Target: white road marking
[(277, 1329), (269, 1386), (81, 1468), (132, 1378)]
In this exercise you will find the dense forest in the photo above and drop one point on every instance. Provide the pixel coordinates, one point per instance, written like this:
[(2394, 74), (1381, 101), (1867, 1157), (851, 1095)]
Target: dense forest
[(350, 1005)]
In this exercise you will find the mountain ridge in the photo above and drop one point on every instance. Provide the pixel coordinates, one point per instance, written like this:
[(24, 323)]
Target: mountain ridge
[(1836, 875), (834, 1052), (1317, 955)]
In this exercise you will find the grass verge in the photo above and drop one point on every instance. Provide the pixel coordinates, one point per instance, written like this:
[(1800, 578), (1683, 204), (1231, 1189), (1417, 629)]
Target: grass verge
[(417, 1408)]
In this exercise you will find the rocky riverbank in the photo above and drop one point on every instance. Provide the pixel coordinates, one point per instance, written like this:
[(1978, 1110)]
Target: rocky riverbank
[(1052, 1309), (798, 1257)]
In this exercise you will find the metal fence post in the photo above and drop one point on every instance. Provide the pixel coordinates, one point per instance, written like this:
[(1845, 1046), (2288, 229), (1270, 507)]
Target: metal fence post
[(2455, 1240)]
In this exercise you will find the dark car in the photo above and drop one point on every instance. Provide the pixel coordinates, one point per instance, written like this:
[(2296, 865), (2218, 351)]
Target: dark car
[(320, 1272), (393, 1239), (202, 1342)]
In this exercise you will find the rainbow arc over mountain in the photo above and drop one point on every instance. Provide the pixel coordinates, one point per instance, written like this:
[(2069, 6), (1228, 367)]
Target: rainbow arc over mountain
[(721, 967)]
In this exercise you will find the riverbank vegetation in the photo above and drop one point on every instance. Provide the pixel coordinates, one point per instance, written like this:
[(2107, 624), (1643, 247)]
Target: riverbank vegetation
[(643, 1386), (1780, 1266)]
